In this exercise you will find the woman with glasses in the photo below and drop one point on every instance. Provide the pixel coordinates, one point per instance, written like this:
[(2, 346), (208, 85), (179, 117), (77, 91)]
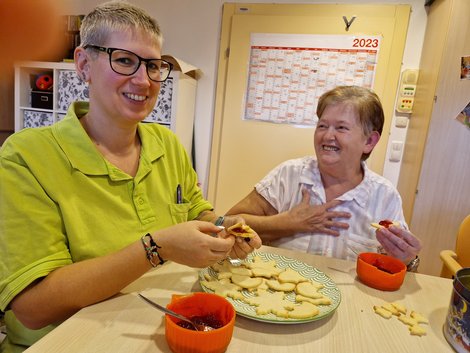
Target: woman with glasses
[(93, 202)]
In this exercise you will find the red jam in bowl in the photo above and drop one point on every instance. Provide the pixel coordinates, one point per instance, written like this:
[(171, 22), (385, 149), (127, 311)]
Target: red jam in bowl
[(207, 320)]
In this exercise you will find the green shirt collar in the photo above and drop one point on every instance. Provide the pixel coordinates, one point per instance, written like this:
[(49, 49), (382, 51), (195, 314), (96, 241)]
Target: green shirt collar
[(83, 155)]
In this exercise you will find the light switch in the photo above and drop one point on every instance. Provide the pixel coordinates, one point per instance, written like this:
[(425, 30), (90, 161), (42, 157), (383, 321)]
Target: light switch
[(397, 145), (401, 121), (395, 151)]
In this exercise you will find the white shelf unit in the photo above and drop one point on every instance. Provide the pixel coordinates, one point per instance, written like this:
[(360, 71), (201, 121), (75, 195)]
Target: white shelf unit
[(174, 108)]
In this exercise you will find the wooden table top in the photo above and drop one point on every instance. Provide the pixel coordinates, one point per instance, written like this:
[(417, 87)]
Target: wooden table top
[(126, 324)]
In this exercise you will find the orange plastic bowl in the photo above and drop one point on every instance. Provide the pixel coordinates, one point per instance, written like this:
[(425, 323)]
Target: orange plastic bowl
[(183, 340), (380, 271)]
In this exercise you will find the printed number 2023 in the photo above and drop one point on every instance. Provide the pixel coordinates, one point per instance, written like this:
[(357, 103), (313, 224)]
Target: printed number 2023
[(365, 43)]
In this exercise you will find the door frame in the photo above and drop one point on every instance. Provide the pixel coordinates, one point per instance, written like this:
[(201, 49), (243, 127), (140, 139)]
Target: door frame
[(402, 14)]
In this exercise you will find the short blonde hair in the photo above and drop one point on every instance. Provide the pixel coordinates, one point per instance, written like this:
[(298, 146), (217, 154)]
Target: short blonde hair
[(113, 16)]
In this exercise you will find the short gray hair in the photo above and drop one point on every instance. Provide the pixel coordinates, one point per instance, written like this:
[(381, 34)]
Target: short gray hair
[(113, 16)]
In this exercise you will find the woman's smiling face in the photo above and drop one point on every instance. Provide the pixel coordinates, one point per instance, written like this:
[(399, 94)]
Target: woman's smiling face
[(130, 98), (339, 138)]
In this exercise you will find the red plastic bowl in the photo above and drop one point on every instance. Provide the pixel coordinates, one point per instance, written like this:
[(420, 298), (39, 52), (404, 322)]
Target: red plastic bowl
[(380, 271), (183, 340)]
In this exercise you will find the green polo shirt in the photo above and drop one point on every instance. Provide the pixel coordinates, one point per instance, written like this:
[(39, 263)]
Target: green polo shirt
[(62, 202)]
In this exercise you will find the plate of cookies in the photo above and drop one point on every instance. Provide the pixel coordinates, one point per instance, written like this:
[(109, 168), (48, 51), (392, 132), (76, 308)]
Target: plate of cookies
[(273, 288)]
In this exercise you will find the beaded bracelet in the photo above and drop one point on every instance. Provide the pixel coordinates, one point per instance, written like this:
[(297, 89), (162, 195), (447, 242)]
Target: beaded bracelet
[(151, 249)]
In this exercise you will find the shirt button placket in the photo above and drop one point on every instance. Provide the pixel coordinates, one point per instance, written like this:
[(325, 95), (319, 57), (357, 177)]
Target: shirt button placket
[(142, 205)]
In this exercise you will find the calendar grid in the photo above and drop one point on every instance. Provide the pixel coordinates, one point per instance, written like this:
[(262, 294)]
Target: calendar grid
[(285, 82)]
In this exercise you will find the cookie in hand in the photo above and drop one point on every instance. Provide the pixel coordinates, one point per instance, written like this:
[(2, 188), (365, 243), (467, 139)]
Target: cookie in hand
[(241, 230), (385, 224)]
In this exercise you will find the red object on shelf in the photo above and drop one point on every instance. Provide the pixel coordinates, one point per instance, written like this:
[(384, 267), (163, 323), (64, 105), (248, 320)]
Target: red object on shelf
[(44, 82)]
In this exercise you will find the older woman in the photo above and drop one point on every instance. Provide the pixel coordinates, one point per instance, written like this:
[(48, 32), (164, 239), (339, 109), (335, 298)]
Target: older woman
[(90, 204), (325, 205)]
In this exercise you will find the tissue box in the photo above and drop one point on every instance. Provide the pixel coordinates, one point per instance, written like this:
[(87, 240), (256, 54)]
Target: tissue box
[(41, 99)]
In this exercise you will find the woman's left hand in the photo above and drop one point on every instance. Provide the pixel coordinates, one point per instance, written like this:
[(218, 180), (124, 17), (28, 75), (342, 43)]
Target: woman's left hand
[(399, 242), (242, 246)]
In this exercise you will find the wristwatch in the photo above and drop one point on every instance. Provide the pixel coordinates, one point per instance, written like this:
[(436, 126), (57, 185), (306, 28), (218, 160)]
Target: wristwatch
[(413, 265), (219, 221)]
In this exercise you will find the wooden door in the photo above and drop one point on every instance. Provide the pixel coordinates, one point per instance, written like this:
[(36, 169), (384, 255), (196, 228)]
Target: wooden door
[(244, 151), (436, 163)]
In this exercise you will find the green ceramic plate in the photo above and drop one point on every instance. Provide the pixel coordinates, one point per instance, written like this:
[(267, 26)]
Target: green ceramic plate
[(244, 309)]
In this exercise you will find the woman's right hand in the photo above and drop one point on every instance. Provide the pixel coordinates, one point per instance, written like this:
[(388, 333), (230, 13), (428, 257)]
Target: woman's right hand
[(306, 218), (191, 244)]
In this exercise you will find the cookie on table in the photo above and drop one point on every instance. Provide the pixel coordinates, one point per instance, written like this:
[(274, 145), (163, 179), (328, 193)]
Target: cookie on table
[(419, 318), (267, 302), (222, 266), (382, 312), (387, 310), (243, 271), (224, 275), (291, 276), (417, 330), (224, 288), (400, 307), (269, 266), (323, 300), (274, 284), (408, 320), (246, 282), (391, 308), (308, 289), (264, 272), (304, 311), (263, 286)]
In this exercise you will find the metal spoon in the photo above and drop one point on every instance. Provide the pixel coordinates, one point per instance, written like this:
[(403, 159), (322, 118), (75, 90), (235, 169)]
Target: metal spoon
[(197, 327)]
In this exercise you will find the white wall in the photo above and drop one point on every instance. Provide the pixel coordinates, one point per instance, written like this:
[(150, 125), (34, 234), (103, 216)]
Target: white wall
[(411, 59), (191, 30)]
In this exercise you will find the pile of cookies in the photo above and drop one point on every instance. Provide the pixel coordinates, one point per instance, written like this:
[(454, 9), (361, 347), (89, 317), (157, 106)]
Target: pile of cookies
[(268, 286), (413, 320)]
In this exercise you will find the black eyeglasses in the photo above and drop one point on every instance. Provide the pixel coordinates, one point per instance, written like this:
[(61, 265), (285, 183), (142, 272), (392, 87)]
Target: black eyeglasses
[(125, 62)]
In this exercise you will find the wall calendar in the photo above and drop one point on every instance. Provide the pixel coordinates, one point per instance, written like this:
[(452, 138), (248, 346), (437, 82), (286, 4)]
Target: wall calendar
[(289, 72)]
